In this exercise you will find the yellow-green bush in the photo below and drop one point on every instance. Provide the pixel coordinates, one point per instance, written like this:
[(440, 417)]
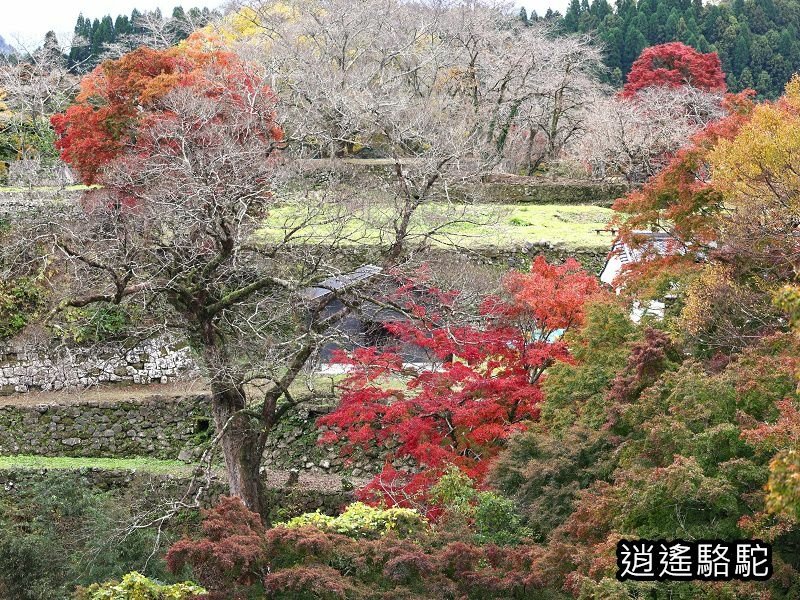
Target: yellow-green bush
[(135, 586), (361, 520), (19, 301)]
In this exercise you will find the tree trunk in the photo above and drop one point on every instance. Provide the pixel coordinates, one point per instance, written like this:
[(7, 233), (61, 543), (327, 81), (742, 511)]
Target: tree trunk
[(242, 447)]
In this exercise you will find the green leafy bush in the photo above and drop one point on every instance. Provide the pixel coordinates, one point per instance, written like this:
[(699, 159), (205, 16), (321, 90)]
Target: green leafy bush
[(95, 323), (135, 586), (360, 520), (56, 533), (19, 302), (493, 518)]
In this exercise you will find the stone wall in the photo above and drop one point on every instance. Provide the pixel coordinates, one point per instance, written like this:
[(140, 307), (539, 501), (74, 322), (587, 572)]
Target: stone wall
[(159, 427), (30, 366), (293, 445), (500, 188), (168, 428), (15, 204), (552, 192)]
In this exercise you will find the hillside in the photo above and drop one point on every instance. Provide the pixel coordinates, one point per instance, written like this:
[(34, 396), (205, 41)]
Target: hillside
[(756, 40)]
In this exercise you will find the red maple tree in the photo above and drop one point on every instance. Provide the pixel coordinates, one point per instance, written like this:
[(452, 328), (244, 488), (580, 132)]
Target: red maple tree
[(122, 96), (673, 65), (484, 385)]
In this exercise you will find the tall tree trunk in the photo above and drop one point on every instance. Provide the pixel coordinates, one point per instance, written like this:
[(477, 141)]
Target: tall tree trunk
[(242, 446), (241, 438)]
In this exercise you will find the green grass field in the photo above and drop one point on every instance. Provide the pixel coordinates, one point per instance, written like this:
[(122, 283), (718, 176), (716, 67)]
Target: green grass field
[(476, 226), (146, 465), (502, 226), (69, 188)]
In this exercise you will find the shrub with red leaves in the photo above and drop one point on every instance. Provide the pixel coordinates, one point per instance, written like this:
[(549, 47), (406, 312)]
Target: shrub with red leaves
[(230, 554), (318, 582), (237, 558), (648, 359)]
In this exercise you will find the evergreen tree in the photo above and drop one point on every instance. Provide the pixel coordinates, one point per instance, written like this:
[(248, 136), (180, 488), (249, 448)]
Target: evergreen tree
[(741, 55), (762, 35), (671, 28), (633, 46), (93, 36), (51, 49), (572, 16), (746, 79)]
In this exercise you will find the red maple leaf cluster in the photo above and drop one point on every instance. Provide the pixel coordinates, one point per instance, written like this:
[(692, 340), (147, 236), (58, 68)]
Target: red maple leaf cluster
[(673, 65), (482, 387)]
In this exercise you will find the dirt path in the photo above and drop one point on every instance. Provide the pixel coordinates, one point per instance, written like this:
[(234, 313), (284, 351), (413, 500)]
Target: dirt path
[(318, 482), (106, 393)]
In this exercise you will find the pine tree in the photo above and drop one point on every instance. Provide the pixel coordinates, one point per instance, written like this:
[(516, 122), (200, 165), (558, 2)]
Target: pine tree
[(741, 55), (633, 46), (572, 16), (51, 49), (746, 79)]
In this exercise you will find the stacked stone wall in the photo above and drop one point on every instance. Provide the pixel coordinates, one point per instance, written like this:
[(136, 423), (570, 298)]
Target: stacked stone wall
[(171, 428), (158, 427), (25, 367)]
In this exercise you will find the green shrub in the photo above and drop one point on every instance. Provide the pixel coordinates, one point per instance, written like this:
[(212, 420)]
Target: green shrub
[(95, 323), (494, 518), (135, 586), (360, 520), (56, 533), (454, 491), (19, 302)]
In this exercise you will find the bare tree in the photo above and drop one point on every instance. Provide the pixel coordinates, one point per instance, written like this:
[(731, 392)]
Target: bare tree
[(179, 231), (530, 89), (635, 138), (438, 90), (173, 235), (36, 84)]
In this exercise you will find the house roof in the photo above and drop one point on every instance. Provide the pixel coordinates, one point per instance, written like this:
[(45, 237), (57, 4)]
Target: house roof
[(340, 282), (622, 253)]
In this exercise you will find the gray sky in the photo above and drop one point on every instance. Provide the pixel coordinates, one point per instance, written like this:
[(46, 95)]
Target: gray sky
[(540, 6), (29, 20)]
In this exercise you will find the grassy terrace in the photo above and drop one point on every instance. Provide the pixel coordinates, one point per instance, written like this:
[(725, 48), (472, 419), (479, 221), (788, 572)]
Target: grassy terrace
[(69, 188), (480, 226), (147, 465)]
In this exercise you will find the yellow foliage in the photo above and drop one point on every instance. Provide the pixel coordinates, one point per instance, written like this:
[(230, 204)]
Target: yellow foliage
[(761, 165), (702, 296), (247, 24)]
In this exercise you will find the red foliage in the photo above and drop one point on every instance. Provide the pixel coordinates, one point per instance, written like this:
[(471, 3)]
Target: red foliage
[(673, 65), (309, 563), (783, 434), (122, 96), (318, 581), (231, 551), (648, 359), (484, 390)]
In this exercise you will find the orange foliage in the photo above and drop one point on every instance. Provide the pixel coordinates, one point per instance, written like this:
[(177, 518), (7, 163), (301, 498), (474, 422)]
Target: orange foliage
[(119, 95), (681, 199)]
